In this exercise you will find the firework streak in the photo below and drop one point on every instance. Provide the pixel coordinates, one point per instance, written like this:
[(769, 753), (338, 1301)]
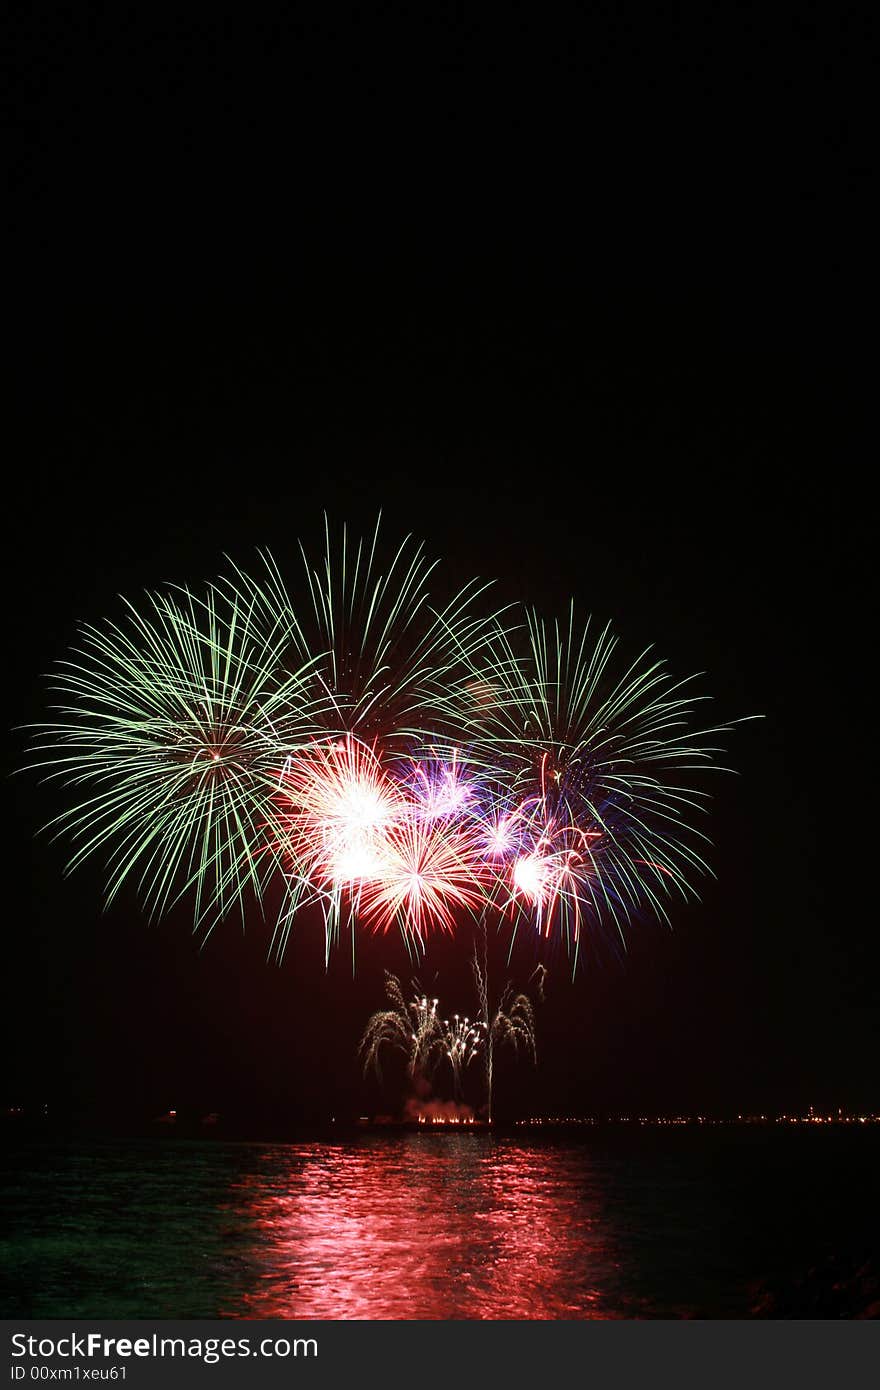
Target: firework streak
[(396, 763)]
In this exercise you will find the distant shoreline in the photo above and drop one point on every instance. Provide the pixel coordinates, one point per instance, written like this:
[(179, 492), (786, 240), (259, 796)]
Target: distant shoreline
[(249, 1129)]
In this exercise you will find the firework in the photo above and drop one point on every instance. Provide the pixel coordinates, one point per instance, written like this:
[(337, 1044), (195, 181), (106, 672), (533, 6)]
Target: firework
[(591, 765), (462, 1042), (337, 803), (373, 848), (430, 875), (173, 723), (396, 763), (513, 1023), (413, 1028), (442, 786), (167, 729)]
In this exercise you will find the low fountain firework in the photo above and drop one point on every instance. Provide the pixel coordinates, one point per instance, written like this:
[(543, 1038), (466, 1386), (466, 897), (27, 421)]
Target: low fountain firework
[(412, 1029), (446, 1048), (397, 762)]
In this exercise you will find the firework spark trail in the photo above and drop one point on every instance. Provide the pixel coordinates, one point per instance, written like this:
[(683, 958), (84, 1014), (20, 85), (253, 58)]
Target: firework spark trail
[(511, 1023), (381, 657)]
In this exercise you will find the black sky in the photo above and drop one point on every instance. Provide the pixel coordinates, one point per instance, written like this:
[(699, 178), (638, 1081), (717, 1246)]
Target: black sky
[(663, 424)]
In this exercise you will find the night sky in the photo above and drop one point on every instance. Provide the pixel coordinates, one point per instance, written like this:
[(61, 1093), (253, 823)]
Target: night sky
[(668, 432)]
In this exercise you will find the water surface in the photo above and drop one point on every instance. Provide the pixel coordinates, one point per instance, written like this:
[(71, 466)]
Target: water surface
[(683, 1224)]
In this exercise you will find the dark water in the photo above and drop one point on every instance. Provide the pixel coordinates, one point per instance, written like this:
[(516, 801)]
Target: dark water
[(726, 1223)]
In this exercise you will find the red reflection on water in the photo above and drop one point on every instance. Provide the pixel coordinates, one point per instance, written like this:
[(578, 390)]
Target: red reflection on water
[(424, 1226)]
